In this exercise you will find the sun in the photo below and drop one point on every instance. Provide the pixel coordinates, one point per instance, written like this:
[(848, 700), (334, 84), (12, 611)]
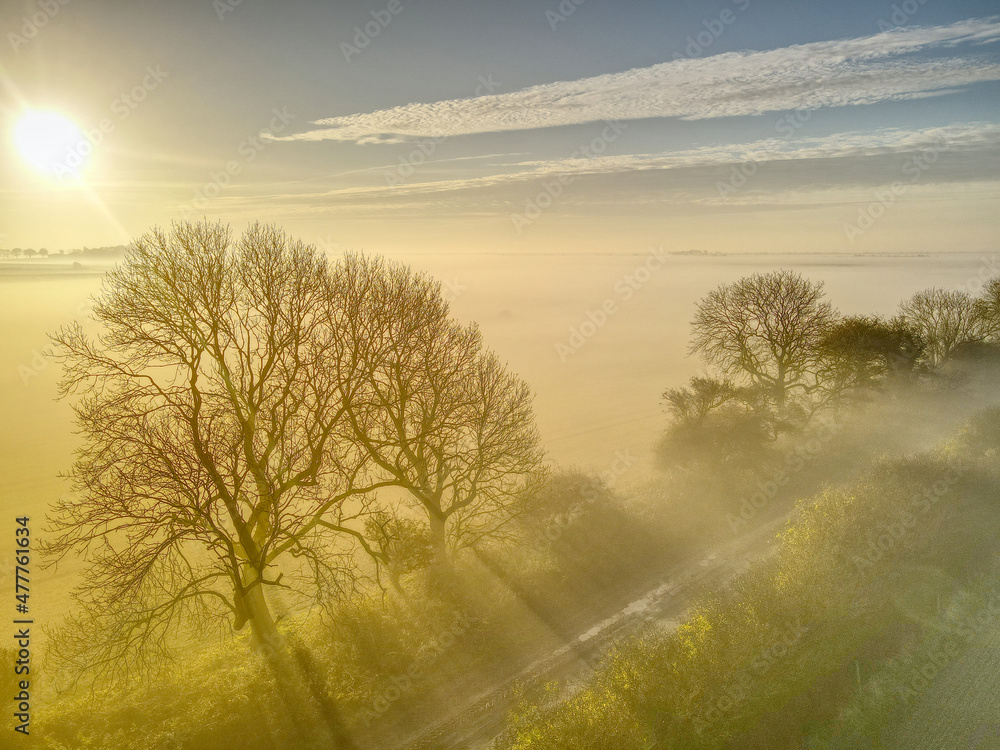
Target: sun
[(51, 143)]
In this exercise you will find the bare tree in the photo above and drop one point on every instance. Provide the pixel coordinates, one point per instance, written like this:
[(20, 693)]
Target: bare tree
[(691, 404), (990, 301), (716, 419), (216, 461), (443, 417), (765, 329), (944, 319), (401, 545)]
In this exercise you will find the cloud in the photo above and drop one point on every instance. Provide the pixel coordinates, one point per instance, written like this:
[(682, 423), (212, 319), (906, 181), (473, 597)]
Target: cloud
[(968, 148), (961, 136), (859, 71)]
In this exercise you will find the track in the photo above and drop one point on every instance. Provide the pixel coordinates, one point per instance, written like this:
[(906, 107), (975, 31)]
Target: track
[(482, 717)]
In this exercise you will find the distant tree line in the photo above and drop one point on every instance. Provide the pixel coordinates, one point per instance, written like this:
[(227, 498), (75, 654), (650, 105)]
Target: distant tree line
[(17, 252), (783, 354), (14, 253)]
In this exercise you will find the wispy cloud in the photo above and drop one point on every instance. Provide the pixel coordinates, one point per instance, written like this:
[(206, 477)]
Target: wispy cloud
[(479, 157), (864, 70), (973, 145), (957, 137)]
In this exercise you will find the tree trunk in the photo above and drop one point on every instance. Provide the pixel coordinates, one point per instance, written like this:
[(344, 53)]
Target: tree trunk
[(394, 579), (265, 632), (439, 540), (255, 610), (309, 719), (780, 391)]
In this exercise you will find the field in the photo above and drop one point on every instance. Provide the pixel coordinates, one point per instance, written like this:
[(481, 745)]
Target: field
[(962, 702), (598, 407), (940, 691)]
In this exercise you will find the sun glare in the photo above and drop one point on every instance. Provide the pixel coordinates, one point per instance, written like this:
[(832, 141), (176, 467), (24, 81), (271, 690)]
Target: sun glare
[(51, 143)]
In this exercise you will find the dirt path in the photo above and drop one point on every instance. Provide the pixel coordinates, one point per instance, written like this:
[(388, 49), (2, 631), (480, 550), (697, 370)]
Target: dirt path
[(482, 717)]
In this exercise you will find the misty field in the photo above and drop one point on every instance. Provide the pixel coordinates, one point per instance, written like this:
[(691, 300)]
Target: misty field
[(526, 306), (594, 405), (645, 597)]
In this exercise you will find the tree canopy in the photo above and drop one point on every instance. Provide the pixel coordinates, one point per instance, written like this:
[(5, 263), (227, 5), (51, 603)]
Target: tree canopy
[(764, 329), (241, 408), (946, 318)]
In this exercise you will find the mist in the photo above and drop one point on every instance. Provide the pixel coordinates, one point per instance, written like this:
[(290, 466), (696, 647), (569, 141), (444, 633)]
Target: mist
[(794, 585), (570, 375)]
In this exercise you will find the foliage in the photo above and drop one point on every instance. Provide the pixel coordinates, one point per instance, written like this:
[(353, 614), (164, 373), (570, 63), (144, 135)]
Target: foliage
[(756, 662), (860, 351), (401, 544)]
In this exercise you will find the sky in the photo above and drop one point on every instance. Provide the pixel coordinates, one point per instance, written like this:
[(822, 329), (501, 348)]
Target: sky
[(573, 126)]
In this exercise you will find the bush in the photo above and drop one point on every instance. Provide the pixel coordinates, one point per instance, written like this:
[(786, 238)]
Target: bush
[(774, 654)]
